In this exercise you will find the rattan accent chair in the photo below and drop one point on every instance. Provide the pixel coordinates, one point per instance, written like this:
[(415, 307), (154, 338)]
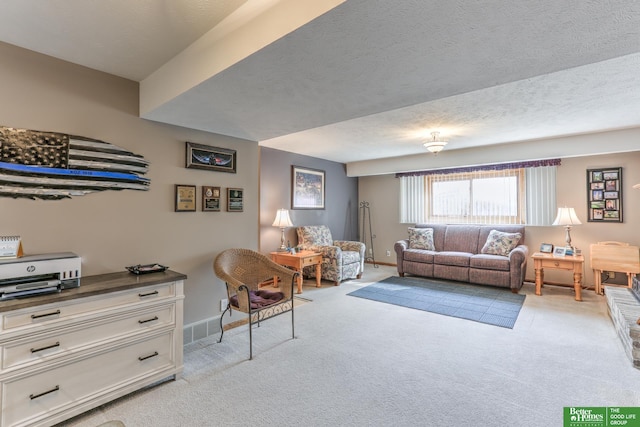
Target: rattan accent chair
[(243, 270)]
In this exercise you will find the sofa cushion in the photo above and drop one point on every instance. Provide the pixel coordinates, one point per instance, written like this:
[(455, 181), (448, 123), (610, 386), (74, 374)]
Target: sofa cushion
[(461, 238), (460, 259), (421, 238), (419, 255), (500, 243), (489, 262)]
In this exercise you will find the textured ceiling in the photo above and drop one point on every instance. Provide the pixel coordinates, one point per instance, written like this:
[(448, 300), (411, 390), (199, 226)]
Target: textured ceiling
[(369, 78)]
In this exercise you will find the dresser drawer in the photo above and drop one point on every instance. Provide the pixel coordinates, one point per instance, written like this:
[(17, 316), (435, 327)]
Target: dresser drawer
[(31, 350), (51, 313), (47, 392)]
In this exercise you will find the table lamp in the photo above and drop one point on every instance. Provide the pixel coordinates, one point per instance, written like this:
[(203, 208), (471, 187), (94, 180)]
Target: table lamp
[(567, 217), (283, 221)]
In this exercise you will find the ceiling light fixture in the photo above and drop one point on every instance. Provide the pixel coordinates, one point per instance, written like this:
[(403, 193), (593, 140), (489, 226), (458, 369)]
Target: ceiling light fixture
[(436, 144)]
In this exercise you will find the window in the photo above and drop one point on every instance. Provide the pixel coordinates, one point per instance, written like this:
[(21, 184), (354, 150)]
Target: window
[(521, 193), (493, 197)]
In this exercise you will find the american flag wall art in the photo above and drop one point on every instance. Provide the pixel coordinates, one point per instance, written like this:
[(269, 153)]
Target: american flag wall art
[(51, 165)]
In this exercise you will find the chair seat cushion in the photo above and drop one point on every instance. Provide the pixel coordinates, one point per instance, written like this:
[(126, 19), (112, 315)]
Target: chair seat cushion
[(349, 257), (260, 298)]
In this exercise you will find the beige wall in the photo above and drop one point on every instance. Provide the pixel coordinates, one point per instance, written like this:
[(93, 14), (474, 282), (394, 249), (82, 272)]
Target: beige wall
[(382, 194), (111, 230)]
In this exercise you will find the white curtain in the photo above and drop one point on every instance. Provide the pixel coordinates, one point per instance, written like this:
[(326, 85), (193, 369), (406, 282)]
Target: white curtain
[(541, 195), (413, 205)]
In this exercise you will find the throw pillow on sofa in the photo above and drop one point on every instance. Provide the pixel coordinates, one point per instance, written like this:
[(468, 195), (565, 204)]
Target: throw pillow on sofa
[(500, 243), (421, 238)]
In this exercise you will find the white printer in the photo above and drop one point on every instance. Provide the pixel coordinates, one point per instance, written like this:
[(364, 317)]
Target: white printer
[(38, 274)]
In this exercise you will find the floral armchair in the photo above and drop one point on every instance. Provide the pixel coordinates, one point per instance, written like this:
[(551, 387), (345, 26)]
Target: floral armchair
[(341, 259)]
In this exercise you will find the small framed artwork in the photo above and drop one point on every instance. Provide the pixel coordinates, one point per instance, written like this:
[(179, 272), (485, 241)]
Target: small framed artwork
[(185, 198), (546, 248), (307, 188), (604, 195), (210, 199), (235, 200), (560, 251), (201, 156)]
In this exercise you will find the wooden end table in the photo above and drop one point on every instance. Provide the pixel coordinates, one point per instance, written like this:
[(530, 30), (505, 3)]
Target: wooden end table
[(571, 263), (298, 262)]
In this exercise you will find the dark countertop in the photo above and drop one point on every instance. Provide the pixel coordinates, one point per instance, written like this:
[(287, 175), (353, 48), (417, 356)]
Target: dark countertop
[(95, 285)]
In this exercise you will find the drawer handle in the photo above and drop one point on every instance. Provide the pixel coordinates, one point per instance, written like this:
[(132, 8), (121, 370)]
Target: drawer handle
[(148, 320), (35, 396), (38, 316), (556, 263), (148, 295), (35, 350), (141, 358)]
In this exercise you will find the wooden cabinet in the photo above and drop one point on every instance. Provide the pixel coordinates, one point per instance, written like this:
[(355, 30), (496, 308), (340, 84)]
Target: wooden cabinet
[(63, 354)]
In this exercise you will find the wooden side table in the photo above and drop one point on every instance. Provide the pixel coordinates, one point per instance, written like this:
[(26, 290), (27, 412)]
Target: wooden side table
[(298, 262), (571, 263)]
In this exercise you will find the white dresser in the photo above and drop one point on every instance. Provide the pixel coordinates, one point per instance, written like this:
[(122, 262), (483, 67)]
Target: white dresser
[(66, 353)]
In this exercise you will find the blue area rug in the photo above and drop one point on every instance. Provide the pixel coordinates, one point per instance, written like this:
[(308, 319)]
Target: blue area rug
[(485, 304)]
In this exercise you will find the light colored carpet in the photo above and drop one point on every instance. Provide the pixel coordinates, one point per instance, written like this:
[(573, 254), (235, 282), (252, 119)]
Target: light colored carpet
[(357, 362)]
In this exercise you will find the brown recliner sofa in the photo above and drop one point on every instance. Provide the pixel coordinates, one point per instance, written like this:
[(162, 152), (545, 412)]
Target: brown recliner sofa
[(462, 253)]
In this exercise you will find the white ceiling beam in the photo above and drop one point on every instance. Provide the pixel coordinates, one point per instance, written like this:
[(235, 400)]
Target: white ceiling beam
[(255, 25), (619, 141)]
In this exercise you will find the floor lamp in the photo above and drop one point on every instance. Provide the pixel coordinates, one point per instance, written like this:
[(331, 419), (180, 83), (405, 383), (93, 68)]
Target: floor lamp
[(283, 221)]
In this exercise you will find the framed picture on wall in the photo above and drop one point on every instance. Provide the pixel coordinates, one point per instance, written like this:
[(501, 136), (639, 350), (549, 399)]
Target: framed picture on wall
[(210, 198), (235, 199), (201, 156), (307, 188), (604, 195), (185, 198)]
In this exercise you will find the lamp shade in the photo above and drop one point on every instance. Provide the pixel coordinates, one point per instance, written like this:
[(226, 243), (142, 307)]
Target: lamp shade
[(566, 216), (282, 219), (434, 147)]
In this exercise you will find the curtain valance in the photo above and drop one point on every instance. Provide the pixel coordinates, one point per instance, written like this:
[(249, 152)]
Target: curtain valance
[(495, 167)]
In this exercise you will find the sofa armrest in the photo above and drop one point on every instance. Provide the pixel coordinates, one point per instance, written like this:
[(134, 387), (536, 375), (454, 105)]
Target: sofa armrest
[(400, 246), (518, 266), (519, 254)]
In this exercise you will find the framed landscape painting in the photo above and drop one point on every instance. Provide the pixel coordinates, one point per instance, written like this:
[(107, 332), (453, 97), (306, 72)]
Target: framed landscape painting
[(307, 188)]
